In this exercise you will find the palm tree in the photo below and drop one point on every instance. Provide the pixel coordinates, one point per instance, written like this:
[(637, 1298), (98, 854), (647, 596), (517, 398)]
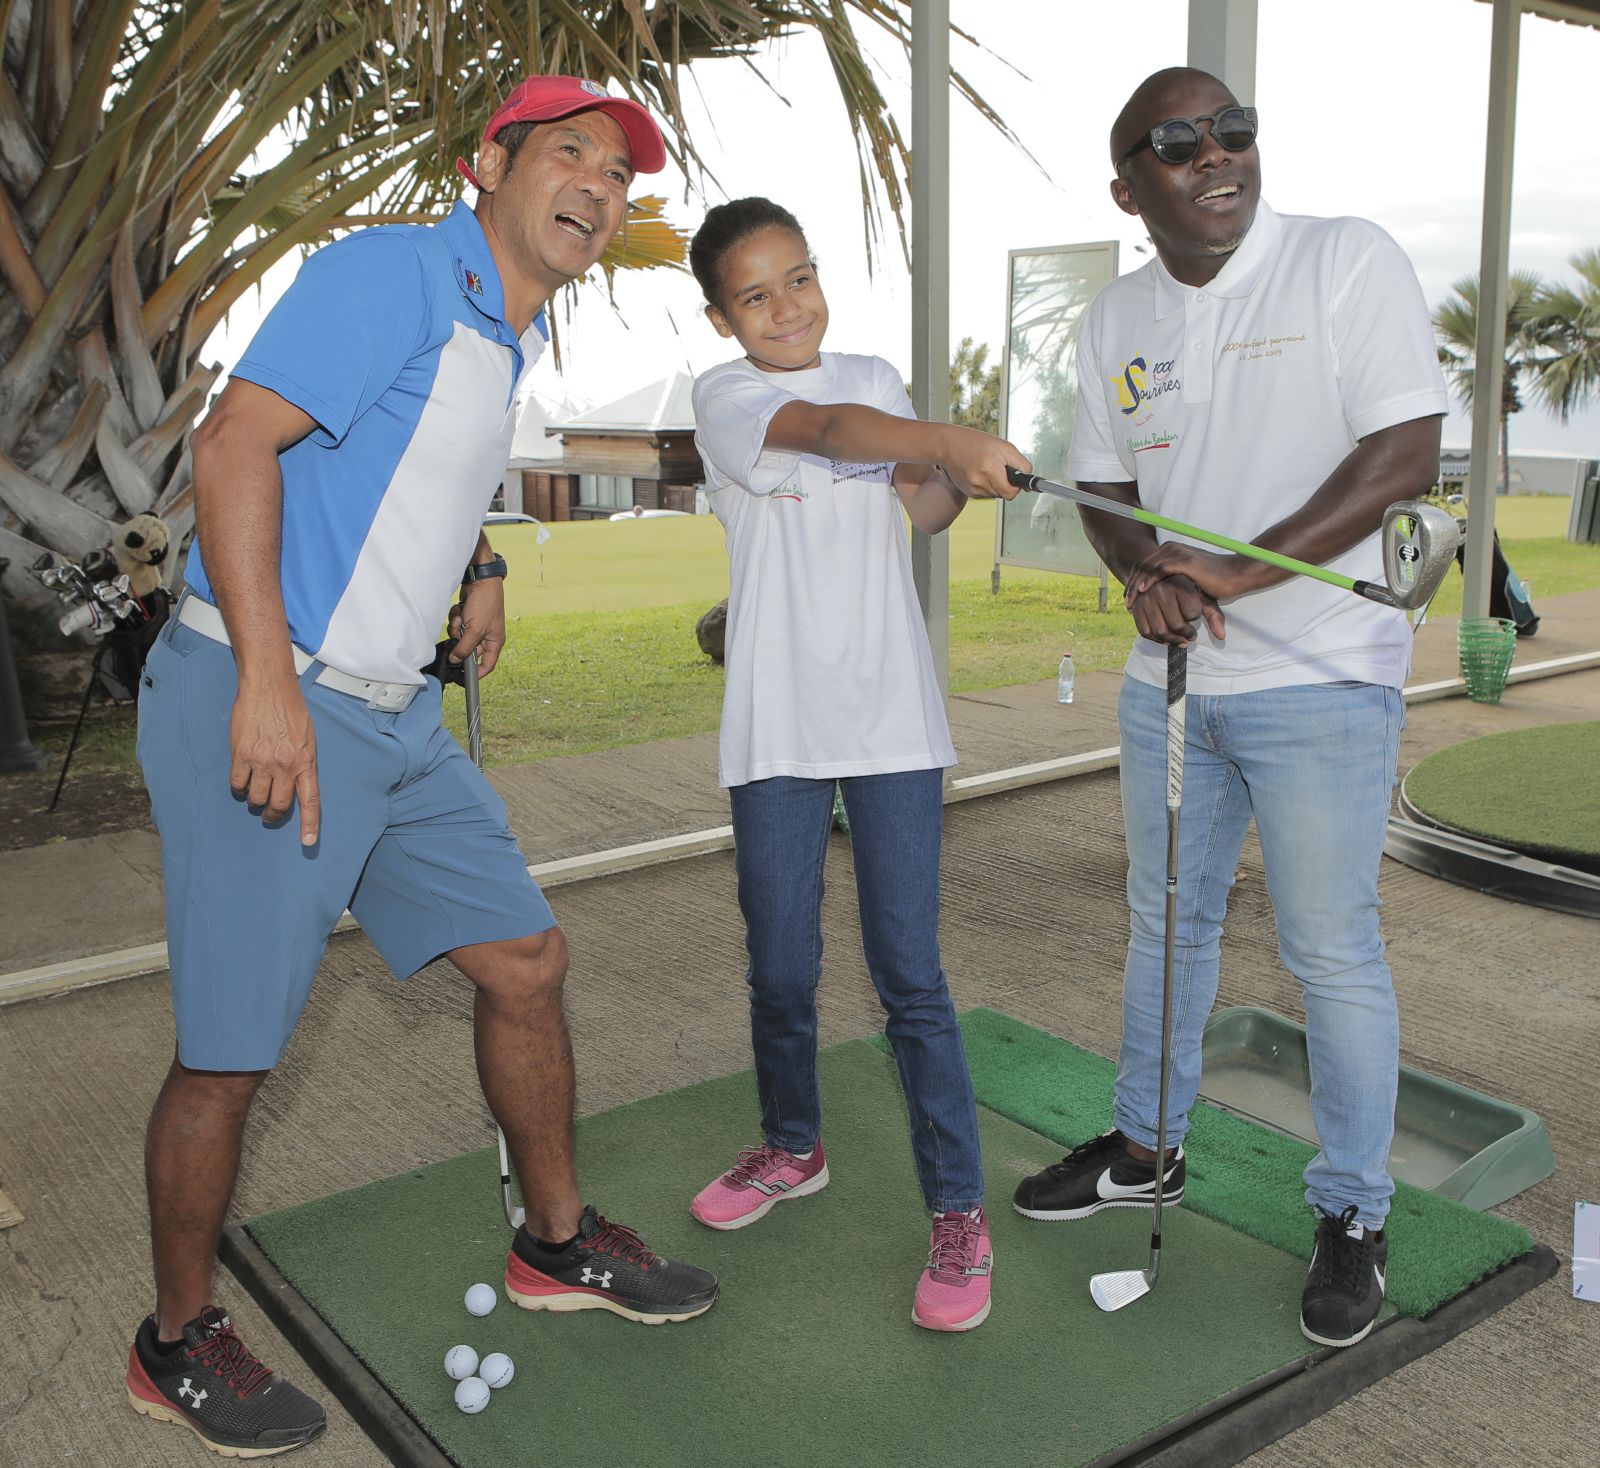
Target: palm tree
[(1456, 324), (1568, 375), (157, 157)]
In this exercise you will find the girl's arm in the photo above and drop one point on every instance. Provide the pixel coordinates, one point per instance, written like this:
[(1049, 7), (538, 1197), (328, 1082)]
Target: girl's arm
[(974, 463), (931, 501)]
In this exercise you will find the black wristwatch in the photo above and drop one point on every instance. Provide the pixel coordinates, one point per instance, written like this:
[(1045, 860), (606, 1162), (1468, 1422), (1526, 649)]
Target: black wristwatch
[(484, 570)]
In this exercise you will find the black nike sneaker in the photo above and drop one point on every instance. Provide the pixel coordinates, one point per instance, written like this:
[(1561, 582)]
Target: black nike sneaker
[(1345, 1285), (212, 1384), (1099, 1174), (607, 1267)]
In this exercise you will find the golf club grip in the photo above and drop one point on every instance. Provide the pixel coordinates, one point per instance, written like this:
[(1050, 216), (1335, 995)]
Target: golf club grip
[(1177, 687)]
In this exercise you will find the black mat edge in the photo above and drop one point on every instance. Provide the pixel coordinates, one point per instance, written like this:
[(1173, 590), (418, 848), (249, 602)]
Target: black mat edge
[(1241, 1422), (393, 1431), (1223, 1432)]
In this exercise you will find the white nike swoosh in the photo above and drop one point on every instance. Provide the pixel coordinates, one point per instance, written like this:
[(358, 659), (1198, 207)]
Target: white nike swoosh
[(1382, 1284), (1106, 1188)]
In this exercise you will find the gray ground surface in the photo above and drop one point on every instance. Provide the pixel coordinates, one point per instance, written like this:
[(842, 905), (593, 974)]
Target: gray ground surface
[(379, 1078)]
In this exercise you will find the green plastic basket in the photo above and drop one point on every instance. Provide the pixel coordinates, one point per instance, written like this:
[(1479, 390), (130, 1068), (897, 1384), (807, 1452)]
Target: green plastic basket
[(1487, 646)]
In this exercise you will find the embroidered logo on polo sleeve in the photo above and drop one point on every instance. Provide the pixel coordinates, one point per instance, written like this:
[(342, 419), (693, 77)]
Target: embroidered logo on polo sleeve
[(474, 282)]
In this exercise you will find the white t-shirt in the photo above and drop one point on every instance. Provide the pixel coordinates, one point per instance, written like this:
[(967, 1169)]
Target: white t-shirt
[(1230, 403), (828, 668)]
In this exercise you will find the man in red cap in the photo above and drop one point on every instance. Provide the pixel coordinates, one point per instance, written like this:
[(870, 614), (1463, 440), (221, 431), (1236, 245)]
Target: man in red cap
[(296, 758)]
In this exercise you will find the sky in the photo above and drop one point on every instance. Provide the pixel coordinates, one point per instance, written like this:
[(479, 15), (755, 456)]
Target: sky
[(1383, 114)]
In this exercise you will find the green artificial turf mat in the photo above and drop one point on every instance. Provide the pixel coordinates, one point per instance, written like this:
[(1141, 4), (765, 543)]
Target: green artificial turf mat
[(811, 1346), (1532, 789), (1240, 1174)]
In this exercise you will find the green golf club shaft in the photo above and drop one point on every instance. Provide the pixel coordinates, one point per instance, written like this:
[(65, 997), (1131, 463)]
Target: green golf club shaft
[(1210, 537)]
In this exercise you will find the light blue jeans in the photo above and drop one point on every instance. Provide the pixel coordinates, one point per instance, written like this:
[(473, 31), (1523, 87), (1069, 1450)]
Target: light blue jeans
[(1315, 766), (780, 836)]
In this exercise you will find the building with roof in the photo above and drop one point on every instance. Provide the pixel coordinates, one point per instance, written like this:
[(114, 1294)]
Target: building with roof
[(638, 450)]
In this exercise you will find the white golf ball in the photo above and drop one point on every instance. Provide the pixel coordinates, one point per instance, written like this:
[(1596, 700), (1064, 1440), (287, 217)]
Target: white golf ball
[(480, 1299), (460, 1363), (472, 1395), (497, 1369)]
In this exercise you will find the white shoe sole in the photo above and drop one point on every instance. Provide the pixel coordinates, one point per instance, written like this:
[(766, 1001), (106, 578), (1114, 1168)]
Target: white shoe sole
[(971, 1324), (222, 1450), (1056, 1215), (804, 1190), (1322, 1340), (566, 1304)]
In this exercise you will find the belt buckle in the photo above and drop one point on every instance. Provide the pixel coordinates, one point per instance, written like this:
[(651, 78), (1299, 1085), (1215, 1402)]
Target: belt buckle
[(392, 698)]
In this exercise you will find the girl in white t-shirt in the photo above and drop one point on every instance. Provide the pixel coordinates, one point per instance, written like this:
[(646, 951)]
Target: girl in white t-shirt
[(812, 461)]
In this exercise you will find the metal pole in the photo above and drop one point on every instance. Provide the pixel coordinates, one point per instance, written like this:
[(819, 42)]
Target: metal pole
[(17, 751), (1489, 355), (1222, 40), (930, 291)]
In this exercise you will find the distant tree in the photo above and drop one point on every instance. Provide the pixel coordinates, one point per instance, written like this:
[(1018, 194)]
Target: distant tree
[(974, 388), (1456, 323), (1567, 375)]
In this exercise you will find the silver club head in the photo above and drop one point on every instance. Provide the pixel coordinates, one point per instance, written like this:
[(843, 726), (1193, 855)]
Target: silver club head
[(1121, 1287), (1419, 544)]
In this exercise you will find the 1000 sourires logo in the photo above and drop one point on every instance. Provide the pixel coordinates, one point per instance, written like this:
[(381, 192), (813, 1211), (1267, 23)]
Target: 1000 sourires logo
[(1140, 383)]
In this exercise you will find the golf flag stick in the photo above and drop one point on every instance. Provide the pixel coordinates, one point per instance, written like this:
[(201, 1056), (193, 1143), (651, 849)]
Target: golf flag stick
[(1419, 543), (469, 677), (1113, 1290)]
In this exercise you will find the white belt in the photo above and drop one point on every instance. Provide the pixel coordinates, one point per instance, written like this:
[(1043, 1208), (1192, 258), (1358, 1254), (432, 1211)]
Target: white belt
[(389, 698)]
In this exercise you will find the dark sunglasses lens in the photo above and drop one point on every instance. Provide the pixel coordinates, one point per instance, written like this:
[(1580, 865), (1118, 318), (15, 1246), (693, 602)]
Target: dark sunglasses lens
[(1175, 142), (1234, 130)]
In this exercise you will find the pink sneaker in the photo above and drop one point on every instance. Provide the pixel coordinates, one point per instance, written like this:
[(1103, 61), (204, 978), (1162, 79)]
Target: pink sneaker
[(953, 1293), (762, 1177)]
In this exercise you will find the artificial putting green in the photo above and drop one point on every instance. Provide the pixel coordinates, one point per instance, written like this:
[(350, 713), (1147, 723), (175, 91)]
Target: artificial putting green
[(1537, 790), (810, 1355)]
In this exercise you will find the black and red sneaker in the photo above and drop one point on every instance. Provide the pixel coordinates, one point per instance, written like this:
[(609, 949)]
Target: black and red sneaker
[(607, 1267), (211, 1384)]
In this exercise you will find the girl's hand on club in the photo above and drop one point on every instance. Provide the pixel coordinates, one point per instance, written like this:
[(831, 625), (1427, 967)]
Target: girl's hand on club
[(1221, 576), (976, 463), (478, 623), (1168, 610)]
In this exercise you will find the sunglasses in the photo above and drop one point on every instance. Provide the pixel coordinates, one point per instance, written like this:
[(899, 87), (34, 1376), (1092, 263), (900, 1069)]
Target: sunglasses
[(1178, 140)]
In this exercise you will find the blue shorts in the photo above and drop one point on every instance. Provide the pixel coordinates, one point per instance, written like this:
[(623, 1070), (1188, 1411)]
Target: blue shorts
[(414, 841)]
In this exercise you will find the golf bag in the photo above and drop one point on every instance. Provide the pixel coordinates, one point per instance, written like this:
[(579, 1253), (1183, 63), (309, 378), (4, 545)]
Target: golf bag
[(1508, 597)]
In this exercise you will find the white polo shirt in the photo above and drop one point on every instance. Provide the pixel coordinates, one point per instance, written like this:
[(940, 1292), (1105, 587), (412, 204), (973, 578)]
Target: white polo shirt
[(1229, 404), (828, 668)]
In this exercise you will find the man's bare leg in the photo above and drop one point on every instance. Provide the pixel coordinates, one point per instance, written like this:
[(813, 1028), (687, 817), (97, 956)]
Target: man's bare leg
[(525, 1067), (191, 1160)]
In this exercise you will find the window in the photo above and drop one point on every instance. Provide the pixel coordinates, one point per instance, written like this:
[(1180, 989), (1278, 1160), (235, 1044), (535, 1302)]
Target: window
[(605, 491)]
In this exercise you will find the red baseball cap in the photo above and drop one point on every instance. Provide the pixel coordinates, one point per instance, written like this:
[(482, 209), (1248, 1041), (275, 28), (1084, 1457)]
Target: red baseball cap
[(545, 98)]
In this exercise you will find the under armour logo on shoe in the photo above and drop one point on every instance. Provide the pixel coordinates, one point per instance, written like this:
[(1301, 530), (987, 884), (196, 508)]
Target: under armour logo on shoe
[(187, 1390), (590, 1277)]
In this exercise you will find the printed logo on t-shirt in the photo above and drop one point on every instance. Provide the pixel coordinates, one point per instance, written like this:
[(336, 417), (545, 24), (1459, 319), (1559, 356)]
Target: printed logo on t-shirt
[(788, 492), (1261, 348), (844, 470), (1140, 383)]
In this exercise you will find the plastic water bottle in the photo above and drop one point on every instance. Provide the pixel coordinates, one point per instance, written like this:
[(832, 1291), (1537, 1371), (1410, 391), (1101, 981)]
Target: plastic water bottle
[(1066, 680)]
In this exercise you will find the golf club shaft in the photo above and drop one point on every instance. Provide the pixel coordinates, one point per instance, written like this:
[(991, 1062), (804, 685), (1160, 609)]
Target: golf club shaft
[(1369, 589), (1177, 687)]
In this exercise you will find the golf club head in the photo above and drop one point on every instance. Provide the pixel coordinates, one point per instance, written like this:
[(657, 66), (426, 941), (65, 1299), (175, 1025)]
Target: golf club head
[(515, 1216), (1419, 545), (1120, 1287)]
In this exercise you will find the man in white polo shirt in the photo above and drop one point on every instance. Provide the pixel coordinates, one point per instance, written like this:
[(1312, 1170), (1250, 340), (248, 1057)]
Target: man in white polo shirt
[(1274, 378)]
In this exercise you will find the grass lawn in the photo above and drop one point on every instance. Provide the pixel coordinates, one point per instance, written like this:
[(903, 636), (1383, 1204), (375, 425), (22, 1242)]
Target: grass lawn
[(602, 650)]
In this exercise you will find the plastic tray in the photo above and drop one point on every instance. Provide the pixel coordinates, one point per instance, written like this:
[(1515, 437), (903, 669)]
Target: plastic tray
[(1448, 1139)]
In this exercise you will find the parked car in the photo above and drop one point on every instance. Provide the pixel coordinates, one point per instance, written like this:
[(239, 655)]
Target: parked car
[(508, 517)]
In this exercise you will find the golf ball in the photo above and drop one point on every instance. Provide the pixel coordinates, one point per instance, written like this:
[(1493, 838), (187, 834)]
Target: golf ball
[(480, 1300), (460, 1363), (472, 1395), (497, 1369)]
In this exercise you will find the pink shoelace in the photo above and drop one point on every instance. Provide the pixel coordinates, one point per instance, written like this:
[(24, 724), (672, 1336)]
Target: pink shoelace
[(753, 1161), (955, 1246)]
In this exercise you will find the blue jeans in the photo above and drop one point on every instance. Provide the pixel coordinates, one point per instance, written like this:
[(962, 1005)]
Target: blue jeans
[(1315, 766), (780, 833)]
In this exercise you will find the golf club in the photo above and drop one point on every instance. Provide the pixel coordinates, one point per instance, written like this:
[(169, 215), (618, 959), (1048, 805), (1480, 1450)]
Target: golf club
[(1113, 1290), (469, 677), (1419, 544)]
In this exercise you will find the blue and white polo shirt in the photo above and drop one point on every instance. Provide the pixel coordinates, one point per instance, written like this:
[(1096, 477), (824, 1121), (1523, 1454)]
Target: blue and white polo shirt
[(394, 339)]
